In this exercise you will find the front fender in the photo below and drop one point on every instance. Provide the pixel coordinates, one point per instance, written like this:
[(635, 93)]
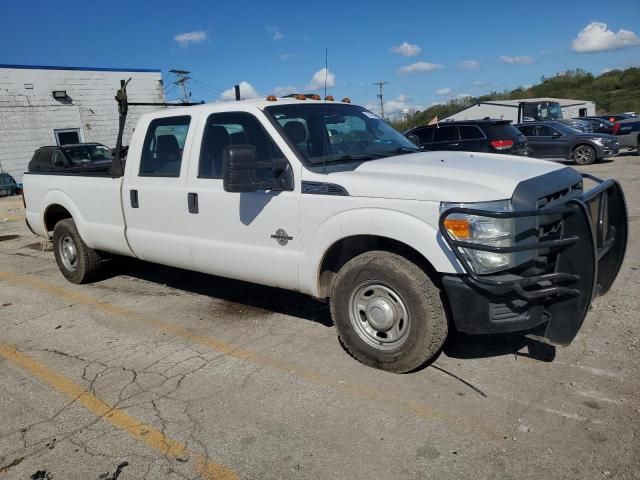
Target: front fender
[(391, 224)]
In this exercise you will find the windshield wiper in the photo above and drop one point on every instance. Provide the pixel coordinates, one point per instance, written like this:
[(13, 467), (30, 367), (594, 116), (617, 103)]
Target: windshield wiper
[(353, 158)]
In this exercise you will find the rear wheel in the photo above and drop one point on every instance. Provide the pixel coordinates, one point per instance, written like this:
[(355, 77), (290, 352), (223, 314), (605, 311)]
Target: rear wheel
[(77, 262), (387, 312), (584, 155)]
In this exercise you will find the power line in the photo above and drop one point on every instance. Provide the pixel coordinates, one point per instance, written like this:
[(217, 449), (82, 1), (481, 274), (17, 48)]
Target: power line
[(380, 85)]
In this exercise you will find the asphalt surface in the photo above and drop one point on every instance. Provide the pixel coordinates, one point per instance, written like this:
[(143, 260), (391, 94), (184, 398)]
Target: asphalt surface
[(155, 373)]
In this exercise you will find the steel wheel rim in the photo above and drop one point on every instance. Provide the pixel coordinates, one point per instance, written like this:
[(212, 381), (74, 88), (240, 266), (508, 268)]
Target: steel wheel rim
[(379, 316), (583, 155), (68, 253)]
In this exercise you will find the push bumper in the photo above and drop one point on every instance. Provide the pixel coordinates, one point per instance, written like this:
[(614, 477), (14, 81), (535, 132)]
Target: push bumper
[(587, 256)]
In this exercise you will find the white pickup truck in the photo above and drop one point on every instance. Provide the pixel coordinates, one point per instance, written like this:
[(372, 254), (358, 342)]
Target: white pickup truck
[(325, 198)]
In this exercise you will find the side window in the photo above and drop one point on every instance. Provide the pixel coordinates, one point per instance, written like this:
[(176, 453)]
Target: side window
[(445, 134), (425, 134), (59, 160), (163, 146), (44, 160), (470, 132), (528, 130), (233, 128), (545, 130)]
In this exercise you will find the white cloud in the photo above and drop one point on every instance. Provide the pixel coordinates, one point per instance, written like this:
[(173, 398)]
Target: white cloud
[(275, 32), (317, 81), (443, 91), (406, 49), (247, 91), (517, 59), (281, 91), (392, 108), (286, 56), (469, 64), (463, 95), (187, 38), (420, 67), (595, 37)]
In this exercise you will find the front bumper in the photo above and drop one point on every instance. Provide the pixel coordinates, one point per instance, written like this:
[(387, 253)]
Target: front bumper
[(586, 257)]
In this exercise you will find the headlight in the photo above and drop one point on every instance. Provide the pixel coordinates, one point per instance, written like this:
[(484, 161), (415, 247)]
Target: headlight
[(495, 232)]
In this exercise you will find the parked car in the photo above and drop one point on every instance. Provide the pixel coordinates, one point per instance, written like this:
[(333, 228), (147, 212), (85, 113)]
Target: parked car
[(599, 125), (556, 140), (8, 185), (405, 244), (628, 132), (491, 136), (577, 124), (616, 117), (81, 156)]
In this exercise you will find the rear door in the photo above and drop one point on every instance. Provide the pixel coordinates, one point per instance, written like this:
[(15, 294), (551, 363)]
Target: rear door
[(446, 138), (155, 197), (472, 139)]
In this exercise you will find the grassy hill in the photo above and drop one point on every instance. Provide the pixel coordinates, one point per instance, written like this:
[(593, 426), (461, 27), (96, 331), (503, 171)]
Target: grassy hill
[(614, 91)]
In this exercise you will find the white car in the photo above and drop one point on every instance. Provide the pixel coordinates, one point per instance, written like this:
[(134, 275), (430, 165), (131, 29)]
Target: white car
[(326, 198)]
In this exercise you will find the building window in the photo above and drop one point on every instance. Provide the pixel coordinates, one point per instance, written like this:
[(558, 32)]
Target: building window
[(67, 136)]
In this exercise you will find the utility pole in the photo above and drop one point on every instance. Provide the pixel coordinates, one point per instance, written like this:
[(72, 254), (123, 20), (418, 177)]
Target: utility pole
[(181, 82), (380, 85)]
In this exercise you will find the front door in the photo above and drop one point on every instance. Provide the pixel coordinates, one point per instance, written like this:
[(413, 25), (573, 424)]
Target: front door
[(552, 143), (154, 197), (253, 236)]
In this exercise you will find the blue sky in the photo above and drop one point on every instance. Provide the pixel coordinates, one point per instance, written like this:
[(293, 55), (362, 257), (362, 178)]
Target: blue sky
[(281, 43)]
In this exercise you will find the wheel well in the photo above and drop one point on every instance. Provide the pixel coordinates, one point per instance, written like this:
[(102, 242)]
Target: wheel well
[(582, 145), (53, 215), (347, 248)]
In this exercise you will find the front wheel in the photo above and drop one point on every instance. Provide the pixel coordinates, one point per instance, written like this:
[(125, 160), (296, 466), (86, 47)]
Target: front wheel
[(584, 155), (387, 312)]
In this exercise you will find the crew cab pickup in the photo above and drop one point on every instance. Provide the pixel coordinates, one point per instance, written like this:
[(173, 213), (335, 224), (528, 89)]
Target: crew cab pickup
[(326, 198)]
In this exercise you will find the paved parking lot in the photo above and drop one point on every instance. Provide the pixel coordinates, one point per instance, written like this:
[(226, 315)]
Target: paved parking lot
[(155, 373)]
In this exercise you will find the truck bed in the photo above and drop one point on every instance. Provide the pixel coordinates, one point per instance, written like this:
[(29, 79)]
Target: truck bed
[(93, 198)]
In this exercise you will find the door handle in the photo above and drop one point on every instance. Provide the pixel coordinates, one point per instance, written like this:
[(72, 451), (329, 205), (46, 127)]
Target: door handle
[(133, 195), (192, 202), (454, 144)]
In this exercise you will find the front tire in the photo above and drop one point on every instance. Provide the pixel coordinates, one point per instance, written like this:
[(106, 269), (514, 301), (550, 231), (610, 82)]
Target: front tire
[(387, 312), (77, 262), (584, 155)]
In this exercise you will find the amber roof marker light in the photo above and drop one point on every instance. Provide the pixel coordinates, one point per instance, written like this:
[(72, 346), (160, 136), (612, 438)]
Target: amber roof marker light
[(329, 98), (272, 98), (346, 100)]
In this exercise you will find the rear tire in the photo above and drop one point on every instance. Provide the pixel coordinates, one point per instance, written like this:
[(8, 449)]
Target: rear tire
[(387, 312), (77, 262), (584, 155)]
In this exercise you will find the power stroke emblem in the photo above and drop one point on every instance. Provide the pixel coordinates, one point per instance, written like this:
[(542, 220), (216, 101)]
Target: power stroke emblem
[(281, 237)]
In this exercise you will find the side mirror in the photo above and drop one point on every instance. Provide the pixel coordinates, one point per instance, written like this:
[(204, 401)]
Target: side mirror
[(556, 135), (241, 172), (413, 138)]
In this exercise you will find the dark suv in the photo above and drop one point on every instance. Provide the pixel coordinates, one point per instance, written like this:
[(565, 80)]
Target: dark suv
[(69, 158), (492, 136), (557, 140)]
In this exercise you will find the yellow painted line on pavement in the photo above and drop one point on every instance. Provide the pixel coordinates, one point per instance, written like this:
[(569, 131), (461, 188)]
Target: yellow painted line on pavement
[(204, 467), (10, 218), (380, 397)]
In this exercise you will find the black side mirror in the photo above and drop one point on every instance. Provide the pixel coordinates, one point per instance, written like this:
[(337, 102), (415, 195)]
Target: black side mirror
[(556, 135), (413, 138), (242, 172)]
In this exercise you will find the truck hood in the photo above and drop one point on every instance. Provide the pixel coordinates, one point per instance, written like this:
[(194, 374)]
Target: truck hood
[(441, 176)]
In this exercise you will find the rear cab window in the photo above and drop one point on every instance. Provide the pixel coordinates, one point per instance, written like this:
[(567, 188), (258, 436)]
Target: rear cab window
[(163, 146)]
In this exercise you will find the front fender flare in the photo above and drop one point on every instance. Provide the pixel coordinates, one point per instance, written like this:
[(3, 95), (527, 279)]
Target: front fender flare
[(392, 224)]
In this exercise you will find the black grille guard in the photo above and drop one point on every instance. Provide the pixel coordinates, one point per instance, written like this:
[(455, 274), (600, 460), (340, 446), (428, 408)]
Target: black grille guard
[(592, 246)]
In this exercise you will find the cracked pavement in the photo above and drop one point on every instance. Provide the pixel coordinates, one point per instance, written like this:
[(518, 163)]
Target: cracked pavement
[(183, 375)]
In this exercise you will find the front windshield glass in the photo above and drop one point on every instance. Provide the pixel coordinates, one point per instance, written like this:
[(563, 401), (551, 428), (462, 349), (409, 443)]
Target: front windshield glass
[(86, 154), (325, 133)]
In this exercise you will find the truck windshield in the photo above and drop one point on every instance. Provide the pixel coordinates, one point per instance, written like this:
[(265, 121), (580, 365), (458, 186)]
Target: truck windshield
[(86, 154), (542, 111), (325, 133)]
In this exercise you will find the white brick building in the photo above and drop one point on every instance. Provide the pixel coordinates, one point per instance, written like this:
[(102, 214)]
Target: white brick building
[(31, 116)]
